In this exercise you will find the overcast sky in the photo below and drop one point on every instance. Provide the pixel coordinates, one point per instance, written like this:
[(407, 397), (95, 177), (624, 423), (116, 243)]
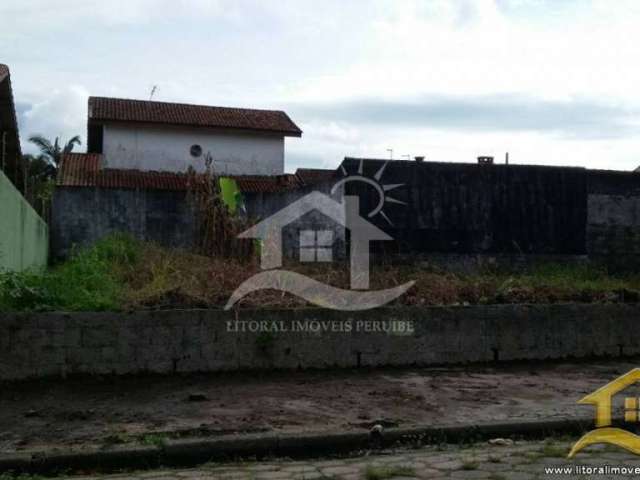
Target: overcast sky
[(550, 81)]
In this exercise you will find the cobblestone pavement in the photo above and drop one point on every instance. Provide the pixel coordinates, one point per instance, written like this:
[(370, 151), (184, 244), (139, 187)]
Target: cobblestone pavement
[(520, 461)]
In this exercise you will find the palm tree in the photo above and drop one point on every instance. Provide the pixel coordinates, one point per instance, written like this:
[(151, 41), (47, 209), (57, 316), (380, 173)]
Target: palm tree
[(37, 167), (53, 151), (38, 174)]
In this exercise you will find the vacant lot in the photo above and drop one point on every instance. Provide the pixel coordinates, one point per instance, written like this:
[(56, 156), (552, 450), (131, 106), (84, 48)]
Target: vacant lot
[(121, 273)]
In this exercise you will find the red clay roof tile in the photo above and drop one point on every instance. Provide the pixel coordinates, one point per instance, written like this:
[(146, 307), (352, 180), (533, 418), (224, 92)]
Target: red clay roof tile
[(79, 169), (124, 110), (84, 170), (313, 176), (267, 184)]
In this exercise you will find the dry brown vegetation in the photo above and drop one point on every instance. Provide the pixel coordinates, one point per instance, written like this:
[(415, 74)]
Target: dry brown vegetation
[(165, 278), (121, 273)]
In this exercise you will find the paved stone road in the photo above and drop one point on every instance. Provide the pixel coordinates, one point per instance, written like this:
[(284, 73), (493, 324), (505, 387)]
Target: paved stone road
[(520, 461)]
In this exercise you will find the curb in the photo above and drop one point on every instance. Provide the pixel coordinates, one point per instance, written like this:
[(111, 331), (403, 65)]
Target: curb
[(194, 451)]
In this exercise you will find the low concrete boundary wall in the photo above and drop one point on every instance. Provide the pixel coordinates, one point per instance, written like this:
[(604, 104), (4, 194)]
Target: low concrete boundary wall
[(59, 344)]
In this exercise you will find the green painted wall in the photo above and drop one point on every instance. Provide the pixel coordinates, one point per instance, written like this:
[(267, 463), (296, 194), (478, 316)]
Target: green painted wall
[(24, 236)]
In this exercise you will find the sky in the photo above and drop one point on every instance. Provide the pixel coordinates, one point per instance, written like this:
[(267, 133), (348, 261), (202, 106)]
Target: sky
[(552, 82)]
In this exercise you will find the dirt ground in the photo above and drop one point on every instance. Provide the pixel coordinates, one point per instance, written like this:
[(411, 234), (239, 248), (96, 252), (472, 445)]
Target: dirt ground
[(85, 412)]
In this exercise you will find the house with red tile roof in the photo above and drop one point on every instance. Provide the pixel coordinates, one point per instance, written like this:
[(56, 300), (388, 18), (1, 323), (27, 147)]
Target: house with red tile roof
[(172, 137)]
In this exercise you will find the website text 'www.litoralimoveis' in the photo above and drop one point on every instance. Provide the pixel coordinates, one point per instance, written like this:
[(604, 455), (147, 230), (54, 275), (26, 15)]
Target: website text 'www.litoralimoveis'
[(593, 470)]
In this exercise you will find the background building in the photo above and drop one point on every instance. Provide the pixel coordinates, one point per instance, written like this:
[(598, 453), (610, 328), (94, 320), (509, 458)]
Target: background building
[(145, 135)]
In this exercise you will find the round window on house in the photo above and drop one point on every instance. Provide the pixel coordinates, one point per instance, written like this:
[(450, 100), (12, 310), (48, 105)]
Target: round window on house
[(196, 150)]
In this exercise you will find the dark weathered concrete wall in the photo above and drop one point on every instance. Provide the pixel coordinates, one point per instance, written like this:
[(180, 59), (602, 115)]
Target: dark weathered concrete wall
[(451, 209), (505, 210), (81, 216), (466, 208), (35, 345), (613, 222)]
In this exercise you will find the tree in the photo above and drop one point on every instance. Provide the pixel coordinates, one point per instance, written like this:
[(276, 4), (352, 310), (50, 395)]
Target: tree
[(53, 151), (38, 167), (38, 175)]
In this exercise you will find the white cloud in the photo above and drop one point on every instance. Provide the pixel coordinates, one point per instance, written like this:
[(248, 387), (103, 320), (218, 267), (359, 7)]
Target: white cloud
[(278, 54), (59, 113), (63, 14)]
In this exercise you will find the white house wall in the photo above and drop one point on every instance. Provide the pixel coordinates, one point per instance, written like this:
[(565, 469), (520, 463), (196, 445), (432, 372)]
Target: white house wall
[(168, 149)]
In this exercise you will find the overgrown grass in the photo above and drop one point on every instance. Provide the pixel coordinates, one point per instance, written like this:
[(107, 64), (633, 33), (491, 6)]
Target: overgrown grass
[(154, 440), (122, 273), (583, 277), (90, 280), (386, 472)]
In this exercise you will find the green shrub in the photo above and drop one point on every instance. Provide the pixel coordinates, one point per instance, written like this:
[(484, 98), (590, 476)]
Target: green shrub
[(25, 291), (87, 281), (118, 249)]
